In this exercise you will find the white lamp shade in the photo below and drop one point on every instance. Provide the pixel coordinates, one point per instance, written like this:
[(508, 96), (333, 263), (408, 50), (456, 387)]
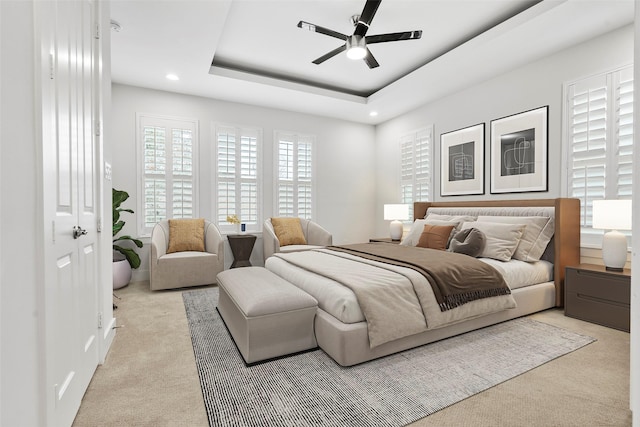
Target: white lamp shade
[(396, 212), (612, 214)]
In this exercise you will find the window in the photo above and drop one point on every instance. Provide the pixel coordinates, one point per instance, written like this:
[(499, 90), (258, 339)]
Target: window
[(295, 179), (168, 153), (599, 143), (238, 158), (415, 167)]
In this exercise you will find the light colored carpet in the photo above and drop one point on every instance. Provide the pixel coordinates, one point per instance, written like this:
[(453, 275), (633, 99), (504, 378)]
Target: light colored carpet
[(150, 377), (311, 389)]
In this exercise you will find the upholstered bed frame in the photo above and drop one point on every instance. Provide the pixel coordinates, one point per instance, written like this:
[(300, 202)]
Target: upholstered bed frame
[(566, 240), (348, 344)]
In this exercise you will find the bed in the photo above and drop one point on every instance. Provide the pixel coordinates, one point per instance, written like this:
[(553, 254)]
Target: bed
[(346, 334)]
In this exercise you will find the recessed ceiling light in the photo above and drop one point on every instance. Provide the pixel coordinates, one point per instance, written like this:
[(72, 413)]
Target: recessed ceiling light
[(172, 77), (373, 113)]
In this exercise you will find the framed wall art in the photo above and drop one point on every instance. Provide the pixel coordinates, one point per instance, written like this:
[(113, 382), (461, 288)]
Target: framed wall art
[(519, 152), (462, 161)]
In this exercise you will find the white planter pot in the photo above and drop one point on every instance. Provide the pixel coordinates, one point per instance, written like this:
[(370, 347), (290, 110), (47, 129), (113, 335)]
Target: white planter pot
[(121, 273)]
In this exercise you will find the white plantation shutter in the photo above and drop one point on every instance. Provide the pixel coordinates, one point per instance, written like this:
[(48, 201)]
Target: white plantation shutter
[(624, 133), (415, 167), (168, 152), (295, 178), (237, 159), (599, 125)]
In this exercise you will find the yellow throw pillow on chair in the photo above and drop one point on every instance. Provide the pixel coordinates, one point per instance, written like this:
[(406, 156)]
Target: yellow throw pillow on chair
[(288, 231), (186, 235)]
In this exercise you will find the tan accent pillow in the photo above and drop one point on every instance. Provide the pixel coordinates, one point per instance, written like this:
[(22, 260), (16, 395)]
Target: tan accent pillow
[(186, 235), (412, 237), (288, 231), (435, 236)]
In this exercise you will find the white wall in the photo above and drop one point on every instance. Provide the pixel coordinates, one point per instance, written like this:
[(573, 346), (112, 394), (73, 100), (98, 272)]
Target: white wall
[(534, 85), (635, 256), (345, 159), (22, 382)]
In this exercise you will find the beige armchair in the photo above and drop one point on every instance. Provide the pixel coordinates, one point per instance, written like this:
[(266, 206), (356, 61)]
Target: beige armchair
[(183, 269), (314, 234)]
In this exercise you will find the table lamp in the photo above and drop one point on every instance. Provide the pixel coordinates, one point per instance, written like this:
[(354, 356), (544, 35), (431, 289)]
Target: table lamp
[(397, 214), (613, 215)]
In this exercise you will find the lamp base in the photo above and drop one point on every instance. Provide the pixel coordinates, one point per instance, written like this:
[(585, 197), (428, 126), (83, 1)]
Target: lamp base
[(614, 250), (614, 269), (396, 230)]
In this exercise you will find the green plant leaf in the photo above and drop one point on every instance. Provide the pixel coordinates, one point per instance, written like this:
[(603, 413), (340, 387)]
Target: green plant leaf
[(117, 198), (132, 257), (117, 227), (137, 242)]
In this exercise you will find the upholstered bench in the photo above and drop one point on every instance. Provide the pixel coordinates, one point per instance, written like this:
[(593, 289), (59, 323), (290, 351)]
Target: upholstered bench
[(267, 316)]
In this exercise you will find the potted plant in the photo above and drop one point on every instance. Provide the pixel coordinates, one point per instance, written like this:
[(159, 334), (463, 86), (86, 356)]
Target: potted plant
[(124, 259)]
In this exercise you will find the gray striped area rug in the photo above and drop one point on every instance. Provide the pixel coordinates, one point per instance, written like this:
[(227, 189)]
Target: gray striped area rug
[(311, 389)]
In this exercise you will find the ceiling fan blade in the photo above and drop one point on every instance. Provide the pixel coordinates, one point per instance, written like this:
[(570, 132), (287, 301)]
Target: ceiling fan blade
[(369, 11), (331, 54), (318, 29), (393, 37), (370, 60)]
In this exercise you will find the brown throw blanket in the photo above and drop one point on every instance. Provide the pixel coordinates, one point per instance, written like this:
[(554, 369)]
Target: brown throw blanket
[(456, 279)]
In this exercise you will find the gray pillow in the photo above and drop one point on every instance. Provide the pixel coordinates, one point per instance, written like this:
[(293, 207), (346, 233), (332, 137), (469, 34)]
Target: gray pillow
[(469, 241)]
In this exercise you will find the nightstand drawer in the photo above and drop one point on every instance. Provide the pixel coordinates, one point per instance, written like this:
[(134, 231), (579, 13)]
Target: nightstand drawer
[(598, 296), (601, 286)]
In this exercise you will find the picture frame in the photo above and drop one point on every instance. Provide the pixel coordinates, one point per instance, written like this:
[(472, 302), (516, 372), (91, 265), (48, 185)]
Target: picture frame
[(462, 161), (519, 152)]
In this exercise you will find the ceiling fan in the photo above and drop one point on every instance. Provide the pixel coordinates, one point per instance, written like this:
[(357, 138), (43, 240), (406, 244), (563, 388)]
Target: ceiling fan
[(356, 44)]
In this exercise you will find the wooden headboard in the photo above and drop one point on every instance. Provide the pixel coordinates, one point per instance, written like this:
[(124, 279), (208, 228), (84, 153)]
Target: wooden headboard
[(566, 235)]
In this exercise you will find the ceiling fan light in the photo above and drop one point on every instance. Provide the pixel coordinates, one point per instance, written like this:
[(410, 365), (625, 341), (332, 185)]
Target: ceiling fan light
[(356, 47)]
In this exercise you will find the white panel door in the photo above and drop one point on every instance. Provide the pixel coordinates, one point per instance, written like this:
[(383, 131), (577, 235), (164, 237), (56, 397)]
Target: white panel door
[(69, 197)]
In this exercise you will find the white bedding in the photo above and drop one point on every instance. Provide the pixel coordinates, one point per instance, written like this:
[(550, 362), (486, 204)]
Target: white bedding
[(519, 274), (341, 302)]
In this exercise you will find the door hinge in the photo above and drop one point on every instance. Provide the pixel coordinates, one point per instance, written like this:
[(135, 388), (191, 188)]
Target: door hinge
[(53, 231), (99, 320), (98, 32), (99, 225), (98, 127)]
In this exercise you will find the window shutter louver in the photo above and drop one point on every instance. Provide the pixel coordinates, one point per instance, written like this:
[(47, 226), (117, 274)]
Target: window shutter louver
[(294, 180), (168, 182), (415, 167), (237, 168), (600, 143), (624, 135)]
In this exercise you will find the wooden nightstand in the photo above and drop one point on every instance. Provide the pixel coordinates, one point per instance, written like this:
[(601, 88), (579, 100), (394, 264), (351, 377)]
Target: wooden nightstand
[(384, 240), (597, 295)]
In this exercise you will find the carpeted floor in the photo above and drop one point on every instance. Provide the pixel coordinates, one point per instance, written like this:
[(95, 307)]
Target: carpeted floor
[(150, 376), (311, 389)]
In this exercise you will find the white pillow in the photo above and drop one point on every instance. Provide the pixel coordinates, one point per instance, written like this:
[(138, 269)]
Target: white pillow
[(501, 239), (459, 218), (413, 236), (536, 236)]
